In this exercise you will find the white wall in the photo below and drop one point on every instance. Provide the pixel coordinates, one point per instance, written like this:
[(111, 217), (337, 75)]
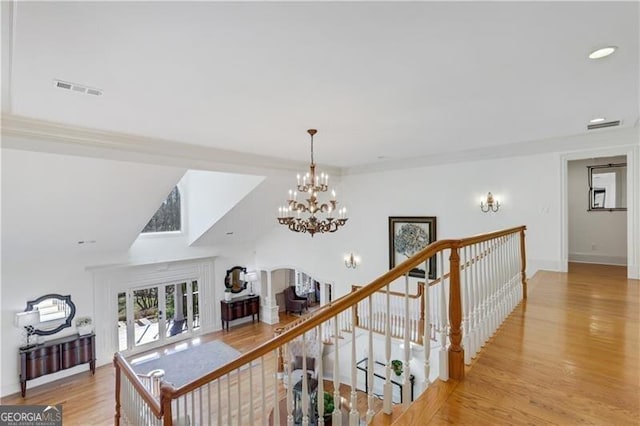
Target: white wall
[(527, 187), (27, 281), (594, 236), (210, 195)]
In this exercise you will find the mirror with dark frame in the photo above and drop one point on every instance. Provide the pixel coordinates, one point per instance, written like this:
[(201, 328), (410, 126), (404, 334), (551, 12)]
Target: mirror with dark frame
[(235, 279), (56, 313), (608, 187)]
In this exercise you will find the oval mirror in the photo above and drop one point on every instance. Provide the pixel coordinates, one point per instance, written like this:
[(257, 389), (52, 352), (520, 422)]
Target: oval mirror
[(56, 313), (235, 279)]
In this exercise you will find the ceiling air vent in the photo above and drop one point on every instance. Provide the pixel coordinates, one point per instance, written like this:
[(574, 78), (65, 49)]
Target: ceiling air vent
[(75, 87), (603, 125)]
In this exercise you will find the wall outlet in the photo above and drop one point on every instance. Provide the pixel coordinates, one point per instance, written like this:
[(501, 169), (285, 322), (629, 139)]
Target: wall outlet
[(593, 246)]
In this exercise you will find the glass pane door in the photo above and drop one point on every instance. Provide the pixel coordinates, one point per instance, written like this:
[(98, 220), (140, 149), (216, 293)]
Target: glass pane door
[(176, 309), (123, 330), (157, 313), (146, 315), (195, 305)]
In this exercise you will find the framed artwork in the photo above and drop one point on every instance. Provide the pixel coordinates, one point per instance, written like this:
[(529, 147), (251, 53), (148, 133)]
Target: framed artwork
[(407, 236)]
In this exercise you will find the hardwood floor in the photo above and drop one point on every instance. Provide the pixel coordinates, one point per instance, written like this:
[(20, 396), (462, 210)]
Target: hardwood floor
[(89, 400), (568, 355)]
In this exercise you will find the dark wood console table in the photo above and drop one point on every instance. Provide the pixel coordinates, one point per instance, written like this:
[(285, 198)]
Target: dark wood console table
[(238, 308), (56, 355)]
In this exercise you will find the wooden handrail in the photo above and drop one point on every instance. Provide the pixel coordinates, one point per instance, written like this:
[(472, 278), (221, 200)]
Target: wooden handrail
[(123, 367), (344, 303)]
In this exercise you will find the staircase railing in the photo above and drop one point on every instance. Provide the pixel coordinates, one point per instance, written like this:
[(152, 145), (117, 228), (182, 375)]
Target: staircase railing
[(479, 281), (397, 315)]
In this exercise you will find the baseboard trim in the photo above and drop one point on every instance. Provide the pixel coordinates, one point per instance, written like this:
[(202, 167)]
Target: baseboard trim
[(597, 258)]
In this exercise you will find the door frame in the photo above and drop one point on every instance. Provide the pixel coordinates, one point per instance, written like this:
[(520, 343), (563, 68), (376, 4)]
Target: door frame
[(110, 281), (163, 339), (633, 203)]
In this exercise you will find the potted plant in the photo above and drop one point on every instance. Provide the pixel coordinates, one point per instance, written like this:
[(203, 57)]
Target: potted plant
[(328, 406), (227, 294), (84, 325), (396, 365)]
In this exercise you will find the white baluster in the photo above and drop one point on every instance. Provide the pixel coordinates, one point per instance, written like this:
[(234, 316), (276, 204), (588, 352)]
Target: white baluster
[(199, 405), (491, 283), (511, 270), (406, 390), (444, 357), (337, 415), (276, 402), (290, 384), (427, 330), (500, 281), (506, 279), (466, 303), (208, 404), (517, 265), (219, 410), (496, 267), (305, 383), (354, 417), (251, 405), (263, 391), (486, 293), (476, 301), (387, 390), (177, 409), (370, 352), (320, 376), (380, 311)]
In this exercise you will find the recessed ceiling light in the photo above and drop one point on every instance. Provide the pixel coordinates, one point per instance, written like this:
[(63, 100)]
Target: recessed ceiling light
[(602, 53), (597, 120)]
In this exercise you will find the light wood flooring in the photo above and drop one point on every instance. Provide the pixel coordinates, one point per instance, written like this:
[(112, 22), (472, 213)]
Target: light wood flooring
[(568, 355)]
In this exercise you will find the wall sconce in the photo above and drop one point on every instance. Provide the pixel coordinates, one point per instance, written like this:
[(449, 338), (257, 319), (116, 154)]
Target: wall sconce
[(351, 261), (491, 205)]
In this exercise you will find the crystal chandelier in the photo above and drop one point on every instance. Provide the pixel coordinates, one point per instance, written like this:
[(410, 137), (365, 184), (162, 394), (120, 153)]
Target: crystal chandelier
[(309, 186)]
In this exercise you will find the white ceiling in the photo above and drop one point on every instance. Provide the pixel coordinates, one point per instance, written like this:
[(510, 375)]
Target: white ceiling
[(51, 202), (378, 79), (201, 84)]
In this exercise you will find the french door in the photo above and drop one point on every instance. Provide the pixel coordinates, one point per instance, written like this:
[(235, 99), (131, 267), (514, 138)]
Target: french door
[(158, 313)]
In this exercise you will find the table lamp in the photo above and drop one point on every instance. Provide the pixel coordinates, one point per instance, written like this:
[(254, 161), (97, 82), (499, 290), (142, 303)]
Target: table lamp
[(27, 320)]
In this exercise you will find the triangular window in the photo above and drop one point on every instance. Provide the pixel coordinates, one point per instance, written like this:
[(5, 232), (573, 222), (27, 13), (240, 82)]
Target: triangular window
[(167, 218)]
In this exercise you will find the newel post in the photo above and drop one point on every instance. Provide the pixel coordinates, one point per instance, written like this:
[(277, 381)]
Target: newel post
[(166, 394), (116, 420), (456, 351), (523, 262)]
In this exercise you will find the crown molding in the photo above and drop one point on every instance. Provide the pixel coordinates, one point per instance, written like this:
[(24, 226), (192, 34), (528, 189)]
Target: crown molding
[(43, 136)]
